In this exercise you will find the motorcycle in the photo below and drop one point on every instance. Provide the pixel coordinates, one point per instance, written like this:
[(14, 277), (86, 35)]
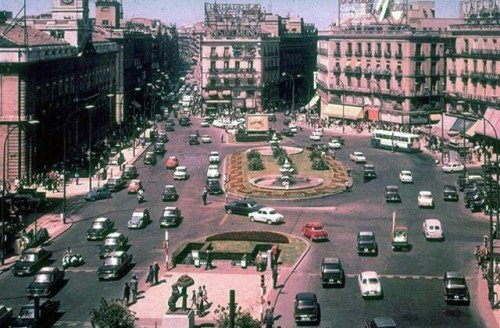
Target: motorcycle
[(72, 260)]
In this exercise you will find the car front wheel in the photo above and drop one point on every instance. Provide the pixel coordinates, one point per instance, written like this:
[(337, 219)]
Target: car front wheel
[(269, 222), (252, 219), (229, 211)]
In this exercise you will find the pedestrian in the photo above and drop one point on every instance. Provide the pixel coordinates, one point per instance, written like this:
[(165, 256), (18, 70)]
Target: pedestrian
[(222, 138), (269, 319), (204, 196), (208, 265), (270, 309), (149, 278), (201, 306), (193, 300), (156, 272), (134, 284), (275, 276), (126, 294), (205, 298), (77, 178)]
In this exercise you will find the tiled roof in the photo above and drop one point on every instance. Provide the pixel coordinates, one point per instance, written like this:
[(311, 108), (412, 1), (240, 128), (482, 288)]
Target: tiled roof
[(15, 37)]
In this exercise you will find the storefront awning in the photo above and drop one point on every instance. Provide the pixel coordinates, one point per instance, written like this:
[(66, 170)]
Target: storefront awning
[(491, 127), (313, 102), (442, 128), (343, 111), (136, 104), (462, 125), (472, 130)]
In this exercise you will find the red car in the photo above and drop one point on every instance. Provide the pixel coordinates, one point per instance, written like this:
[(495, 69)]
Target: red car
[(314, 231), (172, 162)]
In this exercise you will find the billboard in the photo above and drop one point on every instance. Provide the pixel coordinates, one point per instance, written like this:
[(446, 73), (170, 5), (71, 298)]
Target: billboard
[(355, 11), (257, 122)]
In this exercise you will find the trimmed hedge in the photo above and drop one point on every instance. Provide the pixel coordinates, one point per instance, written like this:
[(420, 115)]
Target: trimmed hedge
[(255, 164), (255, 236), (243, 137)]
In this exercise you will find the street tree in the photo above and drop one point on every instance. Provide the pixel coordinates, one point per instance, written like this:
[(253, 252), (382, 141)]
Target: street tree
[(243, 319), (112, 314)]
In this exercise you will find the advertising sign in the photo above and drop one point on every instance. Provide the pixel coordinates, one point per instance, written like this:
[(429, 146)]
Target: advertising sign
[(257, 122), (356, 11)]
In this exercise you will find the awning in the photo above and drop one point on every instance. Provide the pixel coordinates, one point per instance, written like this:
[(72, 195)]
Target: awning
[(490, 128), (435, 117), (136, 104), (472, 130), (218, 101), (343, 111), (226, 92), (462, 125), (313, 102), (441, 129)]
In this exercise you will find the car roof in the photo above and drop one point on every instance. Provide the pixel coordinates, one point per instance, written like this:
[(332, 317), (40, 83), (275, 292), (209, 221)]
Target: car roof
[(454, 274), (391, 187), (172, 157), (306, 296), (433, 222), (366, 233), (47, 269), (169, 186), (331, 260), (181, 168), (425, 192), (369, 274), (116, 253), (135, 181), (357, 152), (114, 235), (101, 219), (214, 152), (129, 165), (406, 172), (369, 166)]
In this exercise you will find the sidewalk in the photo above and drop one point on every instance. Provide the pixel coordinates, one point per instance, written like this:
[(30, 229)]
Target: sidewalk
[(52, 221)]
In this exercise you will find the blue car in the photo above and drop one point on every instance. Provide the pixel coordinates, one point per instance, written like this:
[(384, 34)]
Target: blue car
[(97, 193)]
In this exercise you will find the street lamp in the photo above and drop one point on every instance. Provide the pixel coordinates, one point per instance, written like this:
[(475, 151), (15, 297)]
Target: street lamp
[(90, 108), (4, 185)]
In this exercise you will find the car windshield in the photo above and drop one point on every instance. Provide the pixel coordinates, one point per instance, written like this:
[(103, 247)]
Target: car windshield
[(97, 225), (365, 238), (111, 181), (433, 227), (331, 267), (170, 189), (426, 196), (41, 278), (29, 257), (110, 241), (456, 281), (169, 213), (370, 281), (306, 303), (112, 261), (181, 170)]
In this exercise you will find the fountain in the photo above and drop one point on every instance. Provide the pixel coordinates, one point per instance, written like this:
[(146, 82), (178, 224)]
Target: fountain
[(274, 142), (286, 171)]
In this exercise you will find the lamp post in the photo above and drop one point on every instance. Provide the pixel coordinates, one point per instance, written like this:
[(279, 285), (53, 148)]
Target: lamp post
[(89, 109), (4, 185)]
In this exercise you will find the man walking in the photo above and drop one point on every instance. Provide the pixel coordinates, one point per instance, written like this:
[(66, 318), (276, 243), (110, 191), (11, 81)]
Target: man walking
[(193, 300), (134, 284), (156, 272), (204, 196), (77, 178), (275, 276), (205, 298), (208, 265), (126, 294)]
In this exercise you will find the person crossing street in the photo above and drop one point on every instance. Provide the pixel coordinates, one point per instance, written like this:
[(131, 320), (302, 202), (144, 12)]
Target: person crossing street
[(204, 196)]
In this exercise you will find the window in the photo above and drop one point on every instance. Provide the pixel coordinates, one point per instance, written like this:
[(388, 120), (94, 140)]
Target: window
[(474, 65), (105, 9), (388, 48), (337, 47), (226, 64), (466, 45), (400, 49), (105, 22), (418, 49), (212, 64), (466, 65), (369, 47), (237, 65), (359, 48), (379, 48), (250, 64), (226, 51), (485, 67)]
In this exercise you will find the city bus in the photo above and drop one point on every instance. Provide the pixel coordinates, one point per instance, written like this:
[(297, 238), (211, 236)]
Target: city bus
[(396, 141)]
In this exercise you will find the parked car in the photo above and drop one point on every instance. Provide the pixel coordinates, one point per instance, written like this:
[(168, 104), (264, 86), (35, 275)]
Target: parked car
[(5, 315), (214, 157), (287, 132), (392, 194), (432, 229), (171, 217), (369, 172), (159, 148), (97, 193), (332, 272), (150, 158), (380, 322), (140, 219), (169, 127), (25, 202), (455, 287), (99, 229), (130, 171), (114, 265), (450, 193), (314, 231), (31, 261), (181, 173), (47, 313), (357, 157), (206, 139), (162, 137), (453, 167), (369, 284), (461, 182), (213, 187), (169, 193), (366, 243), (172, 162), (213, 171), (115, 241), (293, 128), (184, 121), (425, 199), (116, 184), (267, 215), (45, 282), (334, 144), (406, 176), (193, 140), (134, 186), (242, 206), (315, 136), (306, 308), (205, 123)]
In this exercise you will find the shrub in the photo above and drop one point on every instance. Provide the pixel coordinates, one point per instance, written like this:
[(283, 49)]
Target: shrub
[(281, 159), (256, 236), (319, 164), (112, 314), (278, 151), (253, 154), (255, 164), (315, 154), (243, 319)]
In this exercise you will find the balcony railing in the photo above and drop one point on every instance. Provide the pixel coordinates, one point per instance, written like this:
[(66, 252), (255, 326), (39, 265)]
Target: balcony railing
[(398, 55), (357, 71), (323, 52), (348, 70), (336, 70), (358, 54), (465, 74), (348, 53), (398, 74), (336, 53), (382, 72), (322, 67), (419, 74), (419, 55), (368, 53), (213, 55), (378, 54), (480, 53), (452, 73), (367, 71), (387, 54)]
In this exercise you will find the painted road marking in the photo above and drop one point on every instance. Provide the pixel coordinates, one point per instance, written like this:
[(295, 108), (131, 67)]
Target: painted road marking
[(388, 276), (224, 218)]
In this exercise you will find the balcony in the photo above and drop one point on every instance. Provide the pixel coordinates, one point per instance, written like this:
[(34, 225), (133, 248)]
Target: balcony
[(368, 53), (323, 52), (336, 53), (465, 74), (357, 71), (336, 70), (213, 55), (378, 54), (348, 53), (322, 67), (348, 71), (358, 54), (382, 73), (419, 74), (387, 54), (480, 53), (398, 55), (452, 74), (398, 74), (367, 72)]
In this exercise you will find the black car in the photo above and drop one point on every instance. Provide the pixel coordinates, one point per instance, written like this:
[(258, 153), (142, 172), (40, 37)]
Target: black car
[(369, 172), (45, 283), (392, 194), (287, 121), (169, 127), (115, 265), (184, 121), (162, 137), (150, 158), (169, 194), (97, 193), (380, 322), (366, 243), (193, 140), (339, 139), (115, 184), (242, 206), (287, 132), (306, 308), (461, 182), (31, 261), (213, 187), (99, 229), (115, 241), (450, 193), (130, 172), (171, 217), (455, 287), (47, 309), (332, 272), (159, 148), (271, 117)]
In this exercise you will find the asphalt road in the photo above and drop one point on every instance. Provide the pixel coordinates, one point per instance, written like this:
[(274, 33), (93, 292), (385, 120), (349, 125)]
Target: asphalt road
[(411, 280)]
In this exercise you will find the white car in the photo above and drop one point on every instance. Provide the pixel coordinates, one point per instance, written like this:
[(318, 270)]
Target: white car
[(213, 171), (214, 157), (432, 229), (406, 177), (369, 284), (318, 131), (266, 214), (205, 124), (293, 128), (315, 136), (425, 199), (357, 157), (218, 123), (334, 144), (181, 173), (452, 167), (206, 139)]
